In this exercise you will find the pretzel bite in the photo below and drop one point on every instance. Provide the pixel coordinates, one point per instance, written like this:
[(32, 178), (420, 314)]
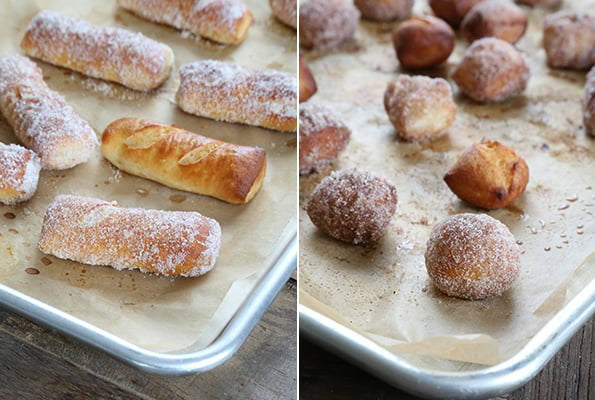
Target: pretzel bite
[(494, 18), (325, 24), (323, 135), (489, 175), (307, 83), (384, 10), (491, 70), (19, 173), (423, 42), (472, 256), (569, 40), (285, 11), (419, 107), (353, 205)]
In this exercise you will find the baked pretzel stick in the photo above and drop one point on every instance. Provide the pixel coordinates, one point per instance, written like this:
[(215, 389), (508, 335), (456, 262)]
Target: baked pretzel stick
[(19, 173), (230, 92), (41, 118), (108, 53), (223, 21), (184, 160), (97, 232)]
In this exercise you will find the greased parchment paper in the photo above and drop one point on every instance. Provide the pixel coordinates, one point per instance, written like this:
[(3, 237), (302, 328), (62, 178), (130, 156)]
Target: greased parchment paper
[(157, 313), (383, 291)]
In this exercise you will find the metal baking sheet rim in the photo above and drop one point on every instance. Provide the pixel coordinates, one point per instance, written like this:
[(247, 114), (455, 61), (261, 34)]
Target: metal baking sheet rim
[(167, 364), (479, 384)]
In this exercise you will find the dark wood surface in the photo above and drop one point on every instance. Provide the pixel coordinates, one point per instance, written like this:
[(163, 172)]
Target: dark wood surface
[(39, 363), (570, 375)]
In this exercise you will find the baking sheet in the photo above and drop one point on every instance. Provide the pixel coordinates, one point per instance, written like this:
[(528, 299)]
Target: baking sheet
[(150, 312), (382, 292)]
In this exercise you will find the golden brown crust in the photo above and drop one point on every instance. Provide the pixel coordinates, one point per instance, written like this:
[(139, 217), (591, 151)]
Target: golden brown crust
[(384, 10), (494, 18), (112, 54), (233, 93), (569, 40), (98, 232), (489, 175), (307, 82), (323, 136), (184, 160), (285, 11), (423, 42), (491, 70), (452, 11), (224, 21), (419, 107)]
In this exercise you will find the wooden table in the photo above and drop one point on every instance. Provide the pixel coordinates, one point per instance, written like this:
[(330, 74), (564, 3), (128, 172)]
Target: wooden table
[(569, 375), (40, 363)]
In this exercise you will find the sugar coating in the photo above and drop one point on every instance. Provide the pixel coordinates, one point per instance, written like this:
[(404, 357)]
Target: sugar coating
[(19, 173), (285, 11), (233, 93), (353, 205), (569, 39), (491, 70), (588, 103), (98, 232), (220, 20), (41, 118), (323, 135), (108, 53), (386, 10), (419, 107), (472, 256), (324, 24)]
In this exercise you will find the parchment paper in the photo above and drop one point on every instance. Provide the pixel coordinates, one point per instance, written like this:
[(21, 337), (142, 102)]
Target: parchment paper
[(383, 291), (157, 313)]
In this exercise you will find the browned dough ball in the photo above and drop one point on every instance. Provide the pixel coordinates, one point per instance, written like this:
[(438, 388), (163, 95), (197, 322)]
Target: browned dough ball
[(419, 107), (323, 135), (491, 70), (384, 10), (423, 42), (353, 205), (472, 256), (452, 11), (588, 103), (494, 18), (325, 24)]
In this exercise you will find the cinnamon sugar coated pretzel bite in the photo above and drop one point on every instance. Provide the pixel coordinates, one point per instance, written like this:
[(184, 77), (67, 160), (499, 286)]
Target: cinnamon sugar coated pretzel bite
[(19, 173), (569, 40), (353, 205), (325, 24), (419, 107), (307, 82), (285, 11), (494, 18), (452, 11), (588, 103), (489, 175), (472, 256), (323, 135), (384, 10), (491, 70), (423, 42)]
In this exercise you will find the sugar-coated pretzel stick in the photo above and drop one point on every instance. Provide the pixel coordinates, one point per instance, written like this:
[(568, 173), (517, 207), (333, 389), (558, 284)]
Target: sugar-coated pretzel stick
[(108, 53), (41, 118), (97, 232), (224, 21), (233, 93)]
